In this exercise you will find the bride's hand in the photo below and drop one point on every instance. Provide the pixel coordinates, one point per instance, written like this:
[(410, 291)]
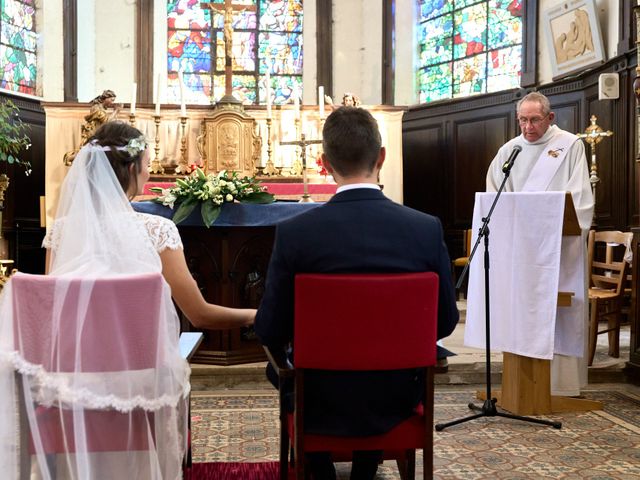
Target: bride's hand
[(249, 316)]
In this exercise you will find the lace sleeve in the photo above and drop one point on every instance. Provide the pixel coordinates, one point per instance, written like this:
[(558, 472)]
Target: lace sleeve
[(52, 237), (163, 232)]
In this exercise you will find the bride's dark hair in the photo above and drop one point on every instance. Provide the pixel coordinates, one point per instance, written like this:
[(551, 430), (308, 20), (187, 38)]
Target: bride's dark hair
[(118, 134)]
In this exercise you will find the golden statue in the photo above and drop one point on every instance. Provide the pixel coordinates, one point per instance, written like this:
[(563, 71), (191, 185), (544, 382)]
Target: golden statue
[(98, 115)]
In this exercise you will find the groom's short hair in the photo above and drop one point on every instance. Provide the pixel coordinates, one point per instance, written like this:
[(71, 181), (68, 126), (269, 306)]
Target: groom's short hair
[(351, 141)]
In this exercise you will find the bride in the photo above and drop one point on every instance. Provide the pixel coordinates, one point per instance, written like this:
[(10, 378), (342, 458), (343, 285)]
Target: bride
[(98, 235)]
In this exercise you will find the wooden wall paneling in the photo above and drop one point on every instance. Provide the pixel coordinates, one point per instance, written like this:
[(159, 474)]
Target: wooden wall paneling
[(21, 215), (475, 143), (631, 148), (607, 209), (423, 152)]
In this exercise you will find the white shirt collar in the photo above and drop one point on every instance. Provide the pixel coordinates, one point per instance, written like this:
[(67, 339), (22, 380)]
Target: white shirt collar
[(551, 131), (353, 186)]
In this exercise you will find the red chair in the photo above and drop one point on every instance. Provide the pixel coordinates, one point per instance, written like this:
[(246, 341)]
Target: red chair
[(361, 322), (113, 328)]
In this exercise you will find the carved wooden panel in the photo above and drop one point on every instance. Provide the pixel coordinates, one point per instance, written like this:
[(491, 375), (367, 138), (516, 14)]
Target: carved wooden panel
[(227, 141), (229, 265)]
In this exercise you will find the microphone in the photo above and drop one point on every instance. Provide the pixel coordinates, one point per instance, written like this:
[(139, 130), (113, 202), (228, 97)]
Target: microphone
[(506, 166)]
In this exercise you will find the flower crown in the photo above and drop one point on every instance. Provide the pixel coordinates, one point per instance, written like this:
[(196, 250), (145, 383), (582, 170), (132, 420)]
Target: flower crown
[(134, 147)]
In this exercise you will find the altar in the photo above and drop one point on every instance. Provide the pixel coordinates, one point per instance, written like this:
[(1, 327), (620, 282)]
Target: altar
[(175, 140), (229, 263)]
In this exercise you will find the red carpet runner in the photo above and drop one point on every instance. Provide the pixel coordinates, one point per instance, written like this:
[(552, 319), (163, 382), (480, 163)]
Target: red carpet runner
[(233, 471)]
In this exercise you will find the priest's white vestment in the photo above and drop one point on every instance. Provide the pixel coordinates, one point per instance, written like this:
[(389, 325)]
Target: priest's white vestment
[(568, 374)]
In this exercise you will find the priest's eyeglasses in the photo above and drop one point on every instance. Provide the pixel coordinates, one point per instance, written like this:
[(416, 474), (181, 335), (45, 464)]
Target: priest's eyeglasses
[(535, 121)]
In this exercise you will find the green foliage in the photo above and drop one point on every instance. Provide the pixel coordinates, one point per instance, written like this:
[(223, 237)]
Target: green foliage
[(13, 137)]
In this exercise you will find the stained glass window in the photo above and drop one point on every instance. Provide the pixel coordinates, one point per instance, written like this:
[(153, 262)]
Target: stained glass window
[(18, 39), (267, 36), (468, 47)]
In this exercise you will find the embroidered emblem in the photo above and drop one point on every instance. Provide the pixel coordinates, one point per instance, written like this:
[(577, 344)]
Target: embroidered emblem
[(555, 153)]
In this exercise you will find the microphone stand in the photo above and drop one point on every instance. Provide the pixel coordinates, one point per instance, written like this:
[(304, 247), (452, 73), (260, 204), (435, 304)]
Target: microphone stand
[(488, 408)]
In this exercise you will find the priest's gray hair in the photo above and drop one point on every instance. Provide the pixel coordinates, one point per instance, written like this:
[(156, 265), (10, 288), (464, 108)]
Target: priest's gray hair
[(536, 97)]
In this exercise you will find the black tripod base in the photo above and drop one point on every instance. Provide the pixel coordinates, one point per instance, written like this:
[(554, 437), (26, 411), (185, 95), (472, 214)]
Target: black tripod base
[(488, 409)]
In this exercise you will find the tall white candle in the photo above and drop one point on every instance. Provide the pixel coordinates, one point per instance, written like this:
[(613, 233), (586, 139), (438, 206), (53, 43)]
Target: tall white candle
[(183, 105), (321, 100), (134, 92), (267, 79), (158, 95), (296, 101)]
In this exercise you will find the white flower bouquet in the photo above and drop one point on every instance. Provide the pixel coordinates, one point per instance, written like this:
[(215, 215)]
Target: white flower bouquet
[(210, 192)]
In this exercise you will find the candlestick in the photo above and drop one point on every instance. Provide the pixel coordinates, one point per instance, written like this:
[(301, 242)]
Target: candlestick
[(268, 93), (134, 92), (183, 165), (321, 101), (132, 119), (158, 95), (269, 168), (183, 106), (156, 166)]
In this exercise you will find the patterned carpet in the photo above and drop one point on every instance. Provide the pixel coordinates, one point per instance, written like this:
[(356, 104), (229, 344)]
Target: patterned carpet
[(241, 426)]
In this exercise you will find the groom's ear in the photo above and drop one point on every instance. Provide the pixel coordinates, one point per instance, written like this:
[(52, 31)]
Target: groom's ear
[(325, 163)]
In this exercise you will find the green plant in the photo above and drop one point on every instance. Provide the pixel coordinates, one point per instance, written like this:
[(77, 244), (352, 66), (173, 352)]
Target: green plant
[(13, 137)]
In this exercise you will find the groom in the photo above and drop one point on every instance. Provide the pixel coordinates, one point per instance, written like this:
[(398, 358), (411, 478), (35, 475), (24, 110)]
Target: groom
[(359, 230)]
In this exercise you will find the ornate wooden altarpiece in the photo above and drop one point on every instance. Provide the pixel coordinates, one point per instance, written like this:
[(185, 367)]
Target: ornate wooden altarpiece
[(228, 141)]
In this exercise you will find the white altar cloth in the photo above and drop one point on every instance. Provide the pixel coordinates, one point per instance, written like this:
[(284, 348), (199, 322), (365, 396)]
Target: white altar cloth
[(530, 262)]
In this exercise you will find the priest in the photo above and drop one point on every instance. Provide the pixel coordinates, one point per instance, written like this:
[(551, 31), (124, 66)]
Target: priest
[(552, 160)]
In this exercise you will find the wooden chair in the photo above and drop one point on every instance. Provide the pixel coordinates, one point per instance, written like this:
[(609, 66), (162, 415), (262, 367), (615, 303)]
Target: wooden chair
[(461, 262), (361, 322), (606, 286)]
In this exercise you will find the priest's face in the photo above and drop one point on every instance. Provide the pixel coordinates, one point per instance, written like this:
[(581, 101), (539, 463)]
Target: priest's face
[(533, 121)]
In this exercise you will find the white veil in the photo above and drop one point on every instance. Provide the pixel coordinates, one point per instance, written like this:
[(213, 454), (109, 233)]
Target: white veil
[(96, 236)]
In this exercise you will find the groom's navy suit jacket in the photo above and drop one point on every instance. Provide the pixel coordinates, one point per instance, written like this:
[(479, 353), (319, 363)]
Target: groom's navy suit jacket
[(357, 231)]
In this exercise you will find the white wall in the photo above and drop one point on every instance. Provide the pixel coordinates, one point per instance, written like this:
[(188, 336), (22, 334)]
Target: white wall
[(50, 50), (114, 47), (86, 51), (310, 52), (357, 49), (406, 52), (607, 14)]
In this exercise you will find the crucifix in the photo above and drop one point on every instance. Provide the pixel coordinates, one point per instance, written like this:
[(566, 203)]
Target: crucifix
[(228, 8), (594, 135), (303, 143)]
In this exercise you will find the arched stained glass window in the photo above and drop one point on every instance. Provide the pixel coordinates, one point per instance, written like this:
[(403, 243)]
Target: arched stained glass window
[(270, 37), (18, 39), (467, 47)]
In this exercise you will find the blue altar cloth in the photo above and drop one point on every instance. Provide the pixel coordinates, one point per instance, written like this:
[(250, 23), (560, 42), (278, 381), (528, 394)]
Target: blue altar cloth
[(234, 214)]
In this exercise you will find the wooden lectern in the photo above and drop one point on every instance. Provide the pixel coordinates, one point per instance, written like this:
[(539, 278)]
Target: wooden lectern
[(526, 382)]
